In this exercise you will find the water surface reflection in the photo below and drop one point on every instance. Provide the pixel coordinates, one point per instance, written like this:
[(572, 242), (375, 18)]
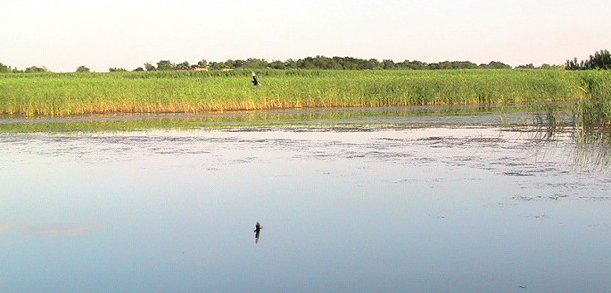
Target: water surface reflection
[(345, 209)]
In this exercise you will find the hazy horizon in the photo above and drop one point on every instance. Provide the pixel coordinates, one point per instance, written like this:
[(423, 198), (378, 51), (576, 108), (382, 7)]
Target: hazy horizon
[(64, 34)]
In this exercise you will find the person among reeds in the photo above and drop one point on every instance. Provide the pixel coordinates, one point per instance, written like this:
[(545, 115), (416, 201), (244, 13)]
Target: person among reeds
[(255, 79)]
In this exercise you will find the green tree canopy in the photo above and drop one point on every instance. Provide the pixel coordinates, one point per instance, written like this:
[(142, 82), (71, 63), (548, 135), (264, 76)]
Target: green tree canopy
[(495, 65), (183, 66), (35, 69), (149, 66), (255, 63), (600, 60), (83, 68), (388, 64), (277, 65), (526, 66), (165, 65), (218, 65), (4, 68)]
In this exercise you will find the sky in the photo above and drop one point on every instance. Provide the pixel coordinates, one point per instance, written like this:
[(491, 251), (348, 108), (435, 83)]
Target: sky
[(99, 34)]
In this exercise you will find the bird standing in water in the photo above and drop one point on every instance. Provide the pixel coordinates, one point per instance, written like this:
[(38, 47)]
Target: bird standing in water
[(255, 79), (258, 228)]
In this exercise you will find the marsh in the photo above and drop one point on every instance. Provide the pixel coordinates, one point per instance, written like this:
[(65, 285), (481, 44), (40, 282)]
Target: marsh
[(366, 207)]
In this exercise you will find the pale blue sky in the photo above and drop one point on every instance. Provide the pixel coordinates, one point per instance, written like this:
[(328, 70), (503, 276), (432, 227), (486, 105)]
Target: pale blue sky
[(63, 34)]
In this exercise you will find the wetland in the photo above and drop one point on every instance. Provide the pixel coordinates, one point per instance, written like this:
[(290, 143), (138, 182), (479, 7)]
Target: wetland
[(418, 199)]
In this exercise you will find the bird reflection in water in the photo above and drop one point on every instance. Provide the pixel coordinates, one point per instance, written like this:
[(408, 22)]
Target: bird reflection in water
[(257, 231)]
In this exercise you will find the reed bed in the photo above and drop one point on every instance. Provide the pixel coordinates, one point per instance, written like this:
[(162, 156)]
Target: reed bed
[(64, 94), (593, 112)]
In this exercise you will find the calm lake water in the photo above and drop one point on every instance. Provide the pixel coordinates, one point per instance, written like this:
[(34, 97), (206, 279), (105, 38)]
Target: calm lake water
[(426, 208)]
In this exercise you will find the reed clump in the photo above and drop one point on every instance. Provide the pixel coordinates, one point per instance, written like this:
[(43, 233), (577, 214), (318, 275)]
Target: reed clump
[(594, 109), (63, 94)]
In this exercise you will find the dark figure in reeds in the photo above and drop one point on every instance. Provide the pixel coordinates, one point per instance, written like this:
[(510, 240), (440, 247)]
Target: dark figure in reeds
[(255, 80), (258, 228)]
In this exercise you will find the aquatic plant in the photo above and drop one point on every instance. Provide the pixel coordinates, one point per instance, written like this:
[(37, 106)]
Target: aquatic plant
[(594, 108), (61, 94)]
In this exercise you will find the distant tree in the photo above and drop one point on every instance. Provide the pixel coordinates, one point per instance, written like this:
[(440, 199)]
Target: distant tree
[(388, 64), (574, 64), (291, 63), (116, 69), (306, 63), (7, 69), (214, 65), (373, 64), (600, 60), (320, 62), (333, 63), (463, 65), (35, 69), (548, 66), (4, 68), (255, 63), (218, 65), (202, 63), (165, 65), (415, 64), (150, 67), (526, 66), (235, 64), (276, 64), (350, 63), (495, 65), (83, 68), (183, 66), (438, 65)]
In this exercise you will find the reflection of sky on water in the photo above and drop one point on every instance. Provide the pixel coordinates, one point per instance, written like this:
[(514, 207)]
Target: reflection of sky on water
[(436, 210)]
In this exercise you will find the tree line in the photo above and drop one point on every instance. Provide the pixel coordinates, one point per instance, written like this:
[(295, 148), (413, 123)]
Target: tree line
[(600, 60), (6, 69), (318, 62)]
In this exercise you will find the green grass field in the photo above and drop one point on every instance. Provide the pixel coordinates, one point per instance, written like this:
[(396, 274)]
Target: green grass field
[(63, 94)]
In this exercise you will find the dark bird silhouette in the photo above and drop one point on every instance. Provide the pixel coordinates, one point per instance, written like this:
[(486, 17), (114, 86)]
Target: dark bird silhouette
[(258, 228), (255, 80)]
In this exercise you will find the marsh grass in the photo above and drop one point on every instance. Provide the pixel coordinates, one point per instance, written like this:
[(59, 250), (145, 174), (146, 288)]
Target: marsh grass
[(63, 94), (594, 108), (66, 94)]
